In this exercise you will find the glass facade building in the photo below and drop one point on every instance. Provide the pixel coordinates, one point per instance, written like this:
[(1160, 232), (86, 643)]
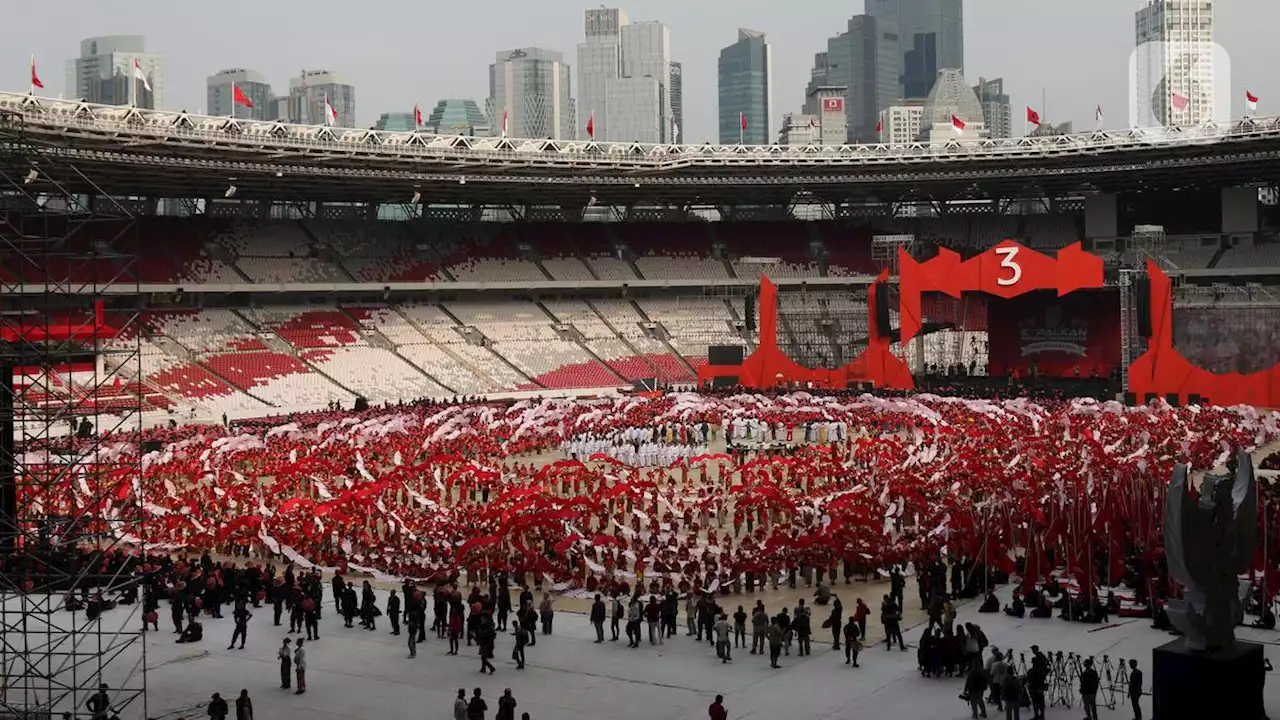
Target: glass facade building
[(676, 132), (254, 85), (745, 80), (396, 122), (458, 116), (531, 86), (599, 63), (944, 19)]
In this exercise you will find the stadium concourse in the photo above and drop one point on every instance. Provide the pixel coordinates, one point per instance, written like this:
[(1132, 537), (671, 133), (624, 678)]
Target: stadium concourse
[(732, 496), (204, 360)]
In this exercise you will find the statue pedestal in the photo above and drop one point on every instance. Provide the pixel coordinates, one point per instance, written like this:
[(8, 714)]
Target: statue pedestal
[(1195, 686)]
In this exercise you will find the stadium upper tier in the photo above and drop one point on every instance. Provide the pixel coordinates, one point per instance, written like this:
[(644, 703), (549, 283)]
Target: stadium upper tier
[(221, 255), (178, 154)]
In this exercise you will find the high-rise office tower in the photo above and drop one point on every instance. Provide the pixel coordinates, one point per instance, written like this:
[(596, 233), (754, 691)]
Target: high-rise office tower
[(746, 89), (104, 73), (458, 116), (943, 19), (676, 131), (599, 62), (866, 60), (531, 86), (1175, 63), (640, 100), (254, 86), (996, 110), (307, 95), (919, 65)]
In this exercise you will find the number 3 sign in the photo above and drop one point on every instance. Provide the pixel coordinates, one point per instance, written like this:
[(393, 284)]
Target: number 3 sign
[(1006, 270)]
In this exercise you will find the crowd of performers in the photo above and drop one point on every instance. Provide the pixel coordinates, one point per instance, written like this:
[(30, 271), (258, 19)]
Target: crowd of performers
[(845, 485)]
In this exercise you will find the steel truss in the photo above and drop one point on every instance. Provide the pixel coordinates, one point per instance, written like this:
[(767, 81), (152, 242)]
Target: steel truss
[(825, 329), (66, 502)]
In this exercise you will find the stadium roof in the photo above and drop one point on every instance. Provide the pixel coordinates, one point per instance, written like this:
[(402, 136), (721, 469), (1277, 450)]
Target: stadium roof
[(129, 151)]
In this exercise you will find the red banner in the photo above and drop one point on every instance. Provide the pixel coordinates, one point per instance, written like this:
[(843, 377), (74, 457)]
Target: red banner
[(1057, 334)]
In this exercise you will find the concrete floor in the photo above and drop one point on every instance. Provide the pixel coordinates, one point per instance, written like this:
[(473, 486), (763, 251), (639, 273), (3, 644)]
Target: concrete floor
[(357, 674)]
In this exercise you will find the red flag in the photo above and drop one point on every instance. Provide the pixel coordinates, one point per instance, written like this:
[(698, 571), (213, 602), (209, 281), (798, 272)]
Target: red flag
[(1180, 102), (238, 97), (591, 125), (742, 120), (417, 115), (1249, 98), (880, 125), (35, 79), (957, 124), (1033, 116), (504, 122)]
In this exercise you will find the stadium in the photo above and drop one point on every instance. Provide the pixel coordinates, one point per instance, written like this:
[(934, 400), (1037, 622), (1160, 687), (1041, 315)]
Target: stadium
[(190, 298)]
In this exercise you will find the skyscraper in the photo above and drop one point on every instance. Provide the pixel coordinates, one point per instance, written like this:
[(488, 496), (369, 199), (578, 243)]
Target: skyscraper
[(944, 19), (676, 131), (919, 65), (640, 100), (531, 86), (996, 110), (867, 61), (1175, 63), (456, 116), (104, 72), (253, 84), (599, 61), (307, 95), (746, 89)]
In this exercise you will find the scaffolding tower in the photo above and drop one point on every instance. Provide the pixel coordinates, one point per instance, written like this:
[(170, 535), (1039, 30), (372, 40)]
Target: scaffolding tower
[(69, 477)]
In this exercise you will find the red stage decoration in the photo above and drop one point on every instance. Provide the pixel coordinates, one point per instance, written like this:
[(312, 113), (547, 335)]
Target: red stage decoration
[(1079, 333), (768, 366), (1163, 371), (1006, 270)]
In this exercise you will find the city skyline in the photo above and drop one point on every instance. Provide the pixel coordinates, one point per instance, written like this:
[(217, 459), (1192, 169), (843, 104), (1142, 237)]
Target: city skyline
[(1002, 39)]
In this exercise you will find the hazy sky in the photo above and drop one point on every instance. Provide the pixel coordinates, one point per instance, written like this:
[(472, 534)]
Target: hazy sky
[(398, 52)]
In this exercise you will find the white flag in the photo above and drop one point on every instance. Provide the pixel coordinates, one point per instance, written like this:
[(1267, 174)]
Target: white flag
[(137, 73), (330, 112)]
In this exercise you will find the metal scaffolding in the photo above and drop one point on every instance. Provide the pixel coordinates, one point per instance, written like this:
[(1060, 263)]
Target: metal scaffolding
[(67, 473)]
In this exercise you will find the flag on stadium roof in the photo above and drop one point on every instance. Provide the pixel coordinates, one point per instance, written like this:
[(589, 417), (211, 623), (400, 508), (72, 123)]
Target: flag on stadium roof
[(1180, 102), (1250, 101), (330, 112), (239, 98), (35, 79), (957, 124), (1033, 117), (137, 73), (591, 125), (417, 115)]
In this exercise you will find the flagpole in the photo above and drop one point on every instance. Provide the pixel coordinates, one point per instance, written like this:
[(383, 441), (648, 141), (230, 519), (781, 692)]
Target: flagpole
[(32, 79), (233, 100)]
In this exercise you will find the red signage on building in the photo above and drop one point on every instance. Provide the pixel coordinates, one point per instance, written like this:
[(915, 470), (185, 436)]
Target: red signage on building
[(834, 104)]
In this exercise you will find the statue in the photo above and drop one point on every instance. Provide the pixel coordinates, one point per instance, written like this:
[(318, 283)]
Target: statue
[(1208, 544)]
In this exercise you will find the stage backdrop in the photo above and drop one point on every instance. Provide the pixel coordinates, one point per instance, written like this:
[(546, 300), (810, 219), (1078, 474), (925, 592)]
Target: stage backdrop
[(1056, 333)]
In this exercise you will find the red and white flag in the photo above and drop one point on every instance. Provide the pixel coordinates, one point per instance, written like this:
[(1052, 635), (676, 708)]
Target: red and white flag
[(1033, 117), (35, 79), (591, 125), (330, 112), (139, 75), (504, 122), (239, 98), (1250, 100), (1180, 102), (957, 125), (880, 124), (417, 116)]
